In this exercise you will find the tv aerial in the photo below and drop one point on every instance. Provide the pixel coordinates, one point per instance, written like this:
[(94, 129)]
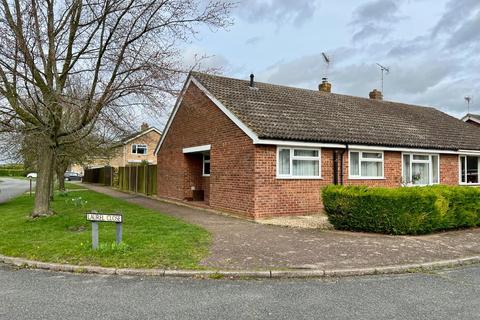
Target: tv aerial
[(468, 100), (383, 69), (328, 61)]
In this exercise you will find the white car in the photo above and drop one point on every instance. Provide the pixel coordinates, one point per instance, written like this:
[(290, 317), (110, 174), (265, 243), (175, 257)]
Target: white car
[(32, 175)]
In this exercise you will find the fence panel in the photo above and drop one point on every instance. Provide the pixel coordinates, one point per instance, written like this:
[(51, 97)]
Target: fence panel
[(99, 175), (138, 179)]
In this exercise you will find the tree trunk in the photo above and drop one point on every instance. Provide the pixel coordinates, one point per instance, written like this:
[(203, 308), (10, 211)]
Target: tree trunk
[(61, 169), (43, 184)]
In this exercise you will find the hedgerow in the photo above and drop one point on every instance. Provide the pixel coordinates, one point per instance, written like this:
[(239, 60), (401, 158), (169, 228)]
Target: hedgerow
[(415, 210)]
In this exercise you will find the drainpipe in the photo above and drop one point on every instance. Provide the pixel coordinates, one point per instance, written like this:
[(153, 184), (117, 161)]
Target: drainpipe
[(335, 167), (341, 163)]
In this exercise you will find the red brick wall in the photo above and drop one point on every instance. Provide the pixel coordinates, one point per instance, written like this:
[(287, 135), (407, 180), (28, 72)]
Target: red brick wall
[(199, 122), (449, 169), (302, 196), (296, 196), (243, 176)]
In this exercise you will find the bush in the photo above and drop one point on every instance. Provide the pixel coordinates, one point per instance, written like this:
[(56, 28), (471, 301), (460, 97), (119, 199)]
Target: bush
[(12, 172), (415, 210)]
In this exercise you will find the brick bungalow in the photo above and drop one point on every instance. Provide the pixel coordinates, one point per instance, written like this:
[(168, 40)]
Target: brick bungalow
[(472, 119), (263, 150)]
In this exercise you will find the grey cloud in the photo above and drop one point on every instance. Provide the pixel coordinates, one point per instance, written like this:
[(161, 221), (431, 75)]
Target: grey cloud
[(378, 10), (374, 19), (467, 34), (408, 48), (278, 11), (370, 31), (457, 11), (253, 40)]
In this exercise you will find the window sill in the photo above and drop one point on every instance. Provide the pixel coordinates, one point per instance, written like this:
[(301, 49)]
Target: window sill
[(298, 178), (205, 175), (366, 178), (470, 184)]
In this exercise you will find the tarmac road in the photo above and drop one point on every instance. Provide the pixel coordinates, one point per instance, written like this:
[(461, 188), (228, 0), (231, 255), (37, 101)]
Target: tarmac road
[(33, 294), (10, 188)]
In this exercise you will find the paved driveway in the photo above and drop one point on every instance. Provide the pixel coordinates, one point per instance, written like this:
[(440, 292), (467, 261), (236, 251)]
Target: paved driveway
[(240, 244), (33, 294), (10, 188)]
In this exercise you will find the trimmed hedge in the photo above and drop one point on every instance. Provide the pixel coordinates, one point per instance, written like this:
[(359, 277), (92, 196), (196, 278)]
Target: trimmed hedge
[(12, 172), (415, 210)]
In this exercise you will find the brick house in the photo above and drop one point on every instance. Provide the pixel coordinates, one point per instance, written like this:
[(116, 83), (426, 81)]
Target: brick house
[(472, 119), (132, 149), (263, 150)]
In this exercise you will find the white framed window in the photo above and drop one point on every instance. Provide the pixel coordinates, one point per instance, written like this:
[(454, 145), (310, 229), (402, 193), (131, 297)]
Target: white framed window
[(298, 163), (420, 169), (139, 149), (366, 164), (206, 165), (469, 170)]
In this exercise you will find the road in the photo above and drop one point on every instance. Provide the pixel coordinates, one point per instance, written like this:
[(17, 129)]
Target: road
[(33, 294), (10, 188)]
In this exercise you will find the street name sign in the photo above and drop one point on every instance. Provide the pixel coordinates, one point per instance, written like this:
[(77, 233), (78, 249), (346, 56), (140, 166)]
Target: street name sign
[(99, 217), (95, 218)]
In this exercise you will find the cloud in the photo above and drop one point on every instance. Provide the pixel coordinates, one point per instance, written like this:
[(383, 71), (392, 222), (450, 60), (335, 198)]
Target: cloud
[(456, 12), (278, 11), (467, 34), (374, 19), (253, 40)]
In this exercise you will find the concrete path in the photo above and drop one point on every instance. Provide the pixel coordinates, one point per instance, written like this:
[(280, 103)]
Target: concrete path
[(240, 244), (33, 294), (10, 188)]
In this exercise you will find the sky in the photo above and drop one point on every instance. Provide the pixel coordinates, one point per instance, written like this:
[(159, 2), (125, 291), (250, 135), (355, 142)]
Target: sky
[(430, 46)]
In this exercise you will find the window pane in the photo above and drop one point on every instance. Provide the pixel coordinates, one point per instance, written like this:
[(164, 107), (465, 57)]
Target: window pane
[(206, 168), (472, 169), (354, 164), (206, 157), (435, 169), (284, 161), (134, 148), (371, 155), (306, 168), (305, 153), (407, 178), (420, 173), (141, 149), (419, 157), (371, 169), (463, 161)]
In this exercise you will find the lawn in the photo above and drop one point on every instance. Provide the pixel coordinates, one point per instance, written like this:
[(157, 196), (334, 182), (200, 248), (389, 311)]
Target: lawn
[(151, 240)]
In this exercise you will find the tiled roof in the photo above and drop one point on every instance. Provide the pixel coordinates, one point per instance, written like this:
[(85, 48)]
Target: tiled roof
[(471, 116), (286, 113)]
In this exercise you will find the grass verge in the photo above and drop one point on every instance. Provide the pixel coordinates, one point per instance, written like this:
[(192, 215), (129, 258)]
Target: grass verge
[(151, 240)]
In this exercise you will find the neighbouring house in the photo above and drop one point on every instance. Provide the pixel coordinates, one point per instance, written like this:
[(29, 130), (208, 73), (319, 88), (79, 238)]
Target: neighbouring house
[(133, 149), (262, 150), (472, 118)]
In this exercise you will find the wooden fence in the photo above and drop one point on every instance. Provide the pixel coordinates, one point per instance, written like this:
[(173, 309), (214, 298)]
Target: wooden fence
[(103, 176), (139, 179)]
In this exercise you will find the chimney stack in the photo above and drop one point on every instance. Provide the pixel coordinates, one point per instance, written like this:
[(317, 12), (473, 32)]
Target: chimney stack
[(252, 82), (144, 126), (325, 86), (376, 95)]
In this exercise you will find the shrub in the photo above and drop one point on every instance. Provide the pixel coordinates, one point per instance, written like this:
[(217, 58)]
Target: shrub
[(415, 210), (11, 172)]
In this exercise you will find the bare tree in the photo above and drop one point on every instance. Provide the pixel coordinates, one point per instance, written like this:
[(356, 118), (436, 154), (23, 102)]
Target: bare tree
[(123, 53)]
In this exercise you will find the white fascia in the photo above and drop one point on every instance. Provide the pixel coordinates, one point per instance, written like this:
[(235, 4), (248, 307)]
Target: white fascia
[(203, 148)]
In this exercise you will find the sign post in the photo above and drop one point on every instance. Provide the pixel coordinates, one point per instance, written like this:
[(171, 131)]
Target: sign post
[(95, 218)]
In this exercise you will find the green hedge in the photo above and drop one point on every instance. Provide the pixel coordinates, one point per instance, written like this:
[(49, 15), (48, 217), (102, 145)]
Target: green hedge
[(12, 172), (415, 210)]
